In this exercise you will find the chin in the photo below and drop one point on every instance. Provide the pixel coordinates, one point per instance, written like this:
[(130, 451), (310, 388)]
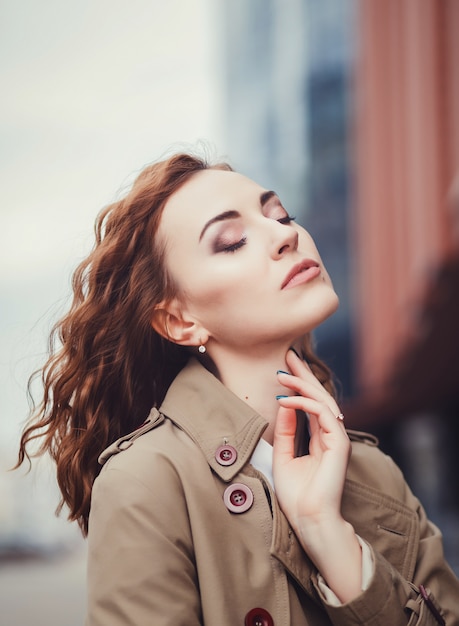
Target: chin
[(335, 299), (334, 303), (326, 309)]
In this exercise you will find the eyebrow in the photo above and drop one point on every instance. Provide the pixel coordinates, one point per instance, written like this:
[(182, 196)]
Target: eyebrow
[(267, 195), (231, 215)]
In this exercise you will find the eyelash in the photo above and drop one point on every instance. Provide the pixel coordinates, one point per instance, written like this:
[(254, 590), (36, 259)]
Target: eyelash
[(235, 246), (287, 219), (239, 244)]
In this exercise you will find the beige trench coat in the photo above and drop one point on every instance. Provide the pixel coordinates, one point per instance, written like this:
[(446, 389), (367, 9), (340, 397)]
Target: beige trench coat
[(175, 538)]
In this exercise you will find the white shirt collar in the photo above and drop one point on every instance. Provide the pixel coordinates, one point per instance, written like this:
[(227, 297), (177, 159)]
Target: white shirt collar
[(262, 460)]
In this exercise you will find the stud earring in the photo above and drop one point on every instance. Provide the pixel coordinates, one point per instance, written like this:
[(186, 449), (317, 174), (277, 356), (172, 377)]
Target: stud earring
[(202, 349)]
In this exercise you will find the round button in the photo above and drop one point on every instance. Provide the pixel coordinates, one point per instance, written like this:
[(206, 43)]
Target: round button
[(238, 498), (258, 617), (226, 455)]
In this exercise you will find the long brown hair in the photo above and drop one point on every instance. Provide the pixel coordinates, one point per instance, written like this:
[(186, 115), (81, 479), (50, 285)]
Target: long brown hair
[(107, 366)]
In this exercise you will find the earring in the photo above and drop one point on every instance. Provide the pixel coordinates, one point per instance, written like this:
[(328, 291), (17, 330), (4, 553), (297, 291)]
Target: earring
[(202, 349)]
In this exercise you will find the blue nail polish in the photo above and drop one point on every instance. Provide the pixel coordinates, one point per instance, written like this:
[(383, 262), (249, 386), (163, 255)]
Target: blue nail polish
[(293, 350), (279, 397), (283, 372)]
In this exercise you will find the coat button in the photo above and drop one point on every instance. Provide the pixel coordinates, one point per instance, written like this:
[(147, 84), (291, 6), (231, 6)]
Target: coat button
[(258, 617), (238, 498), (226, 455)]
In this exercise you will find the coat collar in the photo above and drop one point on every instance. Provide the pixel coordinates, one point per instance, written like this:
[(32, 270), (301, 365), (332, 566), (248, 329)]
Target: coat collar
[(198, 403)]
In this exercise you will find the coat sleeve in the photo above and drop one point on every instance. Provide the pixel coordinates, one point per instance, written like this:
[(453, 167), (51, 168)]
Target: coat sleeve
[(430, 599), (141, 567)]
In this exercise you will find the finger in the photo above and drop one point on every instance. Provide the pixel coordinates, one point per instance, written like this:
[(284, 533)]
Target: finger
[(301, 369), (309, 390), (313, 425), (303, 372), (306, 386), (295, 357), (326, 416), (284, 436), (340, 420), (314, 441)]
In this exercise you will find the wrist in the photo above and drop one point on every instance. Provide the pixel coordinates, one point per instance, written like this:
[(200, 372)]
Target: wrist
[(332, 545), (323, 531)]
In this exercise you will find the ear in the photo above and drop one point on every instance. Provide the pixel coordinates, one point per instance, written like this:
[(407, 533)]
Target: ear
[(170, 321)]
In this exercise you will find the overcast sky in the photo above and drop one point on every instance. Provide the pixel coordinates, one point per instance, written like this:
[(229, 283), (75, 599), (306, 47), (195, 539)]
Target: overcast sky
[(91, 92)]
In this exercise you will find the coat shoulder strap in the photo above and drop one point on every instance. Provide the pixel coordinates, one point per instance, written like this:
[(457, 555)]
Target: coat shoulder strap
[(153, 420)]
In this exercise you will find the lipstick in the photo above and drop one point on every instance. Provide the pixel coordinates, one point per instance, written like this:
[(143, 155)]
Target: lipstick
[(301, 273)]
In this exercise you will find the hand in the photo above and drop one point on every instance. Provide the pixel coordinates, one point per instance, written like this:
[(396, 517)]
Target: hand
[(309, 488)]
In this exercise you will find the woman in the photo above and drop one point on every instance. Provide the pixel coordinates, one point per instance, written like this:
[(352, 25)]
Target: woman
[(217, 506)]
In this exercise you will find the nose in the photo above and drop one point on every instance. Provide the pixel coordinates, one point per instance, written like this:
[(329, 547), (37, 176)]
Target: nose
[(285, 239)]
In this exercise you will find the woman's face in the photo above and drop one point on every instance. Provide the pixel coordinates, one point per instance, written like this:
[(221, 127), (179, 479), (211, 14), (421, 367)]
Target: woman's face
[(246, 273)]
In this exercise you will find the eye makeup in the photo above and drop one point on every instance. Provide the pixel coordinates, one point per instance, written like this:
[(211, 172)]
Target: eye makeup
[(229, 235), (287, 219), (229, 241), (274, 209)]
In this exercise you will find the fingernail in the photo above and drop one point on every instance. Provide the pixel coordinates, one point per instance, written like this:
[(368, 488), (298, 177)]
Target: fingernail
[(293, 350), (279, 397), (283, 372)]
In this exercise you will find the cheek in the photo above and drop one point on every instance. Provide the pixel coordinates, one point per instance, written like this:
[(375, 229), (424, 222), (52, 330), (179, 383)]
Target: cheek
[(207, 284), (216, 289), (211, 286)]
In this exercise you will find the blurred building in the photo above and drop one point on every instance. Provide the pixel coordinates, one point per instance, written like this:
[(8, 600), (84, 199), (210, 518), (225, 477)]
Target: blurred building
[(407, 129)]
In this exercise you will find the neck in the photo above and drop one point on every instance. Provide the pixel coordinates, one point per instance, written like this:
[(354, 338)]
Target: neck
[(253, 378)]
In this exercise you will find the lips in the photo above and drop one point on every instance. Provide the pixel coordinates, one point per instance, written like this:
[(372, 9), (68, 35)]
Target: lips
[(302, 272)]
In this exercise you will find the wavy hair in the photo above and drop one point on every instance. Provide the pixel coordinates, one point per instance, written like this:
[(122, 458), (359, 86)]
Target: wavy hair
[(107, 366)]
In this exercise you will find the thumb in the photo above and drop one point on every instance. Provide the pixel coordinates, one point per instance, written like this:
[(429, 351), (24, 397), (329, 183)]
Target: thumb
[(284, 436)]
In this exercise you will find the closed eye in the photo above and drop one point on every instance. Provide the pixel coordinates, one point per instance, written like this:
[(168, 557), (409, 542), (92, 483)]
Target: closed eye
[(235, 246), (287, 219)]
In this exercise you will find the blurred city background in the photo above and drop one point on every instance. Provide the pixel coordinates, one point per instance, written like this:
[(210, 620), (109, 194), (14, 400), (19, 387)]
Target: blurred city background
[(349, 109)]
